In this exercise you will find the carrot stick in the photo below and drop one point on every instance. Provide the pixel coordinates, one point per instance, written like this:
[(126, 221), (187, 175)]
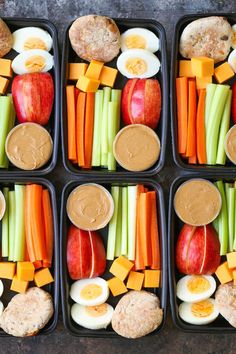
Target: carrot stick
[(201, 134), (192, 159), (145, 228), (88, 136), (28, 220), (192, 107), (80, 115), (139, 261), (154, 234), (70, 99), (182, 112), (48, 226), (38, 264)]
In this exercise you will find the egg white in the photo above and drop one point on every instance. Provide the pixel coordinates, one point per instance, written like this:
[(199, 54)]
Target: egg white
[(184, 294), (18, 64), (1, 287), (186, 314), (21, 36), (82, 318), (153, 63), (1, 308), (78, 286), (152, 41), (232, 60)]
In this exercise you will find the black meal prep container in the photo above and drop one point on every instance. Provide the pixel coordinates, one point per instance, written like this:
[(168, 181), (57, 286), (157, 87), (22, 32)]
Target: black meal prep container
[(175, 56), (68, 55), (53, 124), (66, 282), (220, 325), (52, 288)]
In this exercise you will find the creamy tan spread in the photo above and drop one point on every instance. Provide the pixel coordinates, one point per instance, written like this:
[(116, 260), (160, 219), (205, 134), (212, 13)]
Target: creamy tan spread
[(136, 147), (197, 202), (2, 205), (230, 144), (90, 206), (29, 146)]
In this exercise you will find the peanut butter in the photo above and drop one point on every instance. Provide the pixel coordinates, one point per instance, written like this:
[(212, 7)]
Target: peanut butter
[(29, 146), (136, 147), (230, 144), (197, 202), (90, 206)]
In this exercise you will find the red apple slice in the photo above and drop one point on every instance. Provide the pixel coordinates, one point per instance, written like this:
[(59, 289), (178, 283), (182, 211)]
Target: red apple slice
[(98, 265)]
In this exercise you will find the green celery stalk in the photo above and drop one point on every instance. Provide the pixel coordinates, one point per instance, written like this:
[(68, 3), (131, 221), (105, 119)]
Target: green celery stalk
[(12, 220), (112, 228), (213, 124), (223, 221), (116, 97), (5, 119), (132, 203), (210, 91), (224, 127), (119, 226), (231, 216), (104, 141), (112, 130), (19, 244), (234, 245), (216, 221), (96, 152), (5, 224), (124, 237)]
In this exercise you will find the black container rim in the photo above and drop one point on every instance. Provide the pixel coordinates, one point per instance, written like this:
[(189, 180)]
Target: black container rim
[(53, 160), (177, 159), (163, 232), (165, 111)]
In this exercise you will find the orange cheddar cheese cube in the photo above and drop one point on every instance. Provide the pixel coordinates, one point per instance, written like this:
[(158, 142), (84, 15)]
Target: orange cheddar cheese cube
[(151, 278), (202, 66), (116, 286), (135, 280), (108, 76), (202, 82), (121, 267), (223, 72), (94, 69), (25, 271), (5, 67), (234, 276), (19, 286), (7, 270), (185, 68), (87, 85), (223, 273), (3, 85), (231, 259), (43, 277), (76, 70)]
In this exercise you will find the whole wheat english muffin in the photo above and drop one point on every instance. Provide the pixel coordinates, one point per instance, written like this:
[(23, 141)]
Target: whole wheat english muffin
[(5, 39), (95, 37), (208, 36), (225, 298)]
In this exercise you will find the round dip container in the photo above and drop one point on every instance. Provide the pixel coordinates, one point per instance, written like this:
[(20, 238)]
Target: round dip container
[(90, 206), (2, 205), (28, 146), (230, 144), (197, 202), (136, 147)]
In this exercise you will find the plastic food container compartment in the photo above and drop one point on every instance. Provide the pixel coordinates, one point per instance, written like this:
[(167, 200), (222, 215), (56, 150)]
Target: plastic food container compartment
[(220, 325), (69, 56), (66, 282), (175, 56), (53, 124), (52, 288)]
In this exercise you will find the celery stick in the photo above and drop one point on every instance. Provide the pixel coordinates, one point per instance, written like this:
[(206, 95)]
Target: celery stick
[(12, 216), (234, 245), (210, 91), (5, 224), (112, 228), (112, 130), (5, 118), (213, 124), (223, 221), (116, 97), (231, 216), (132, 202), (19, 244), (124, 237), (119, 226), (216, 224), (96, 153), (224, 127), (104, 142)]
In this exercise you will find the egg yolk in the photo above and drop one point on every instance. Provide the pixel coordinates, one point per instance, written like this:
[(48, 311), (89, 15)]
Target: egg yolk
[(202, 308), (35, 64), (136, 66), (34, 43), (91, 291), (96, 311), (198, 285), (135, 41)]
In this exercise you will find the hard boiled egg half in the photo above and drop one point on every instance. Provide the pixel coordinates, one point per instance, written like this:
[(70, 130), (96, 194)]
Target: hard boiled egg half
[(199, 313), (31, 61), (138, 63), (139, 38), (31, 38), (92, 317), (232, 60), (89, 292), (194, 288)]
